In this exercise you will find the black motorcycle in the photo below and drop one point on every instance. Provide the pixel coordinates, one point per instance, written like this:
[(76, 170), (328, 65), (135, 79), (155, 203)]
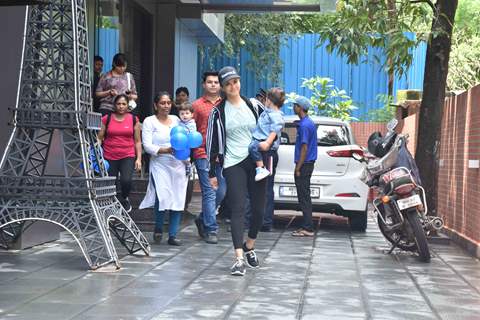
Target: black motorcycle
[(400, 203)]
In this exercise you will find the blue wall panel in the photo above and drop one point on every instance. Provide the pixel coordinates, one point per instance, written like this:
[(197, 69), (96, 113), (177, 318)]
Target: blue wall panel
[(302, 59), (108, 45)]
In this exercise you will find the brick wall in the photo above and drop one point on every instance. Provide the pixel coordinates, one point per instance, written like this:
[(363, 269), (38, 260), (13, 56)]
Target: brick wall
[(362, 130), (459, 185), (409, 126)]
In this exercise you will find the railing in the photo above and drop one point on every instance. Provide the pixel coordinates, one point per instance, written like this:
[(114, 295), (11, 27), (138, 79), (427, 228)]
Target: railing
[(56, 188)]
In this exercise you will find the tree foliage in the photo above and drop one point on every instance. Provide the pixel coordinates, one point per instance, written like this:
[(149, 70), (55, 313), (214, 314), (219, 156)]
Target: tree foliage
[(385, 113), (262, 36), (464, 69), (356, 27), (327, 100), (360, 25)]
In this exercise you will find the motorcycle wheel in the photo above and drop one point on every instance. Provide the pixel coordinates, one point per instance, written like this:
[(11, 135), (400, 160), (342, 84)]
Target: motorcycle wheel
[(392, 236), (419, 234)]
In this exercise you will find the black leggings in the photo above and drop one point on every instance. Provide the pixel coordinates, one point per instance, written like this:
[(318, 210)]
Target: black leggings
[(125, 166), (240, 180)]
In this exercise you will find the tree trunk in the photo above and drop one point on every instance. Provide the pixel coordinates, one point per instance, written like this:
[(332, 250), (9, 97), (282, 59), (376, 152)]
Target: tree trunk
[(431, 109), (392, 21)]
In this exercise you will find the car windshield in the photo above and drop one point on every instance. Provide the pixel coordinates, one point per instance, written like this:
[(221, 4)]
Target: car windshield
[(327, 135)]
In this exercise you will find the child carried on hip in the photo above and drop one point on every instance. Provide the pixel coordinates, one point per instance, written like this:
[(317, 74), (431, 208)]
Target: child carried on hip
[(266, 135), (185, 113)]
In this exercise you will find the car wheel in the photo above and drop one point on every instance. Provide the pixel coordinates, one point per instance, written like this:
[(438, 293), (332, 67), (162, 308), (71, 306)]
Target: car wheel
[(358, 220)]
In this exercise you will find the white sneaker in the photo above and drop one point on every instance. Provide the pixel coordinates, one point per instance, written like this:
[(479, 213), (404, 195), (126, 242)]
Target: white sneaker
[(261, 173)]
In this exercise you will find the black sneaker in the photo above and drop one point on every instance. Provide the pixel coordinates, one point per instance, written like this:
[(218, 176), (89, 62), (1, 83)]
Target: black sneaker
[(200, 228), (173, 241), (126, 205), (238, 268), (252, 260), (211, 238)]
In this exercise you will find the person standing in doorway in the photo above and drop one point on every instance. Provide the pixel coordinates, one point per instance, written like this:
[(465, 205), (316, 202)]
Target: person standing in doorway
[(230, 127), (116, 81), (206, 221), (97, 74), (182, 95), (304, 157)]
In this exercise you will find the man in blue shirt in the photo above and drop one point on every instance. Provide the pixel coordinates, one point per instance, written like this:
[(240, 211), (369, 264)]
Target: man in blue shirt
[(305, 156)]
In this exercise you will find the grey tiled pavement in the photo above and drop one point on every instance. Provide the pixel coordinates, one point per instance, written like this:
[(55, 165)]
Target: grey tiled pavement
[(335, 275)]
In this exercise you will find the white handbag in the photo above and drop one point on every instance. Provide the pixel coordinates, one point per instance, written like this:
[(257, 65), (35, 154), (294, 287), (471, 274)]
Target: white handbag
[(131, 103)]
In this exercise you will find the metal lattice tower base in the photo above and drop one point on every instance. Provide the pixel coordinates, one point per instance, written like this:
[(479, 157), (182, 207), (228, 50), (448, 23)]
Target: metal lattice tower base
[(54, 99)]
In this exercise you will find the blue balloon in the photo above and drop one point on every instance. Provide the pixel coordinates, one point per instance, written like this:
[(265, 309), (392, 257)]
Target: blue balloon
[(194, 139), (179, 141), (182, 154), (178, 129)]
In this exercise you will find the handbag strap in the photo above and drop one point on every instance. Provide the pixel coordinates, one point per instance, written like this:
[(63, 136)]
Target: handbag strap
[(128, 81)]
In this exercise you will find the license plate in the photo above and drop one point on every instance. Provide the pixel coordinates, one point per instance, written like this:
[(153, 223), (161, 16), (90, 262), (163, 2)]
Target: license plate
[(409, 202), (286, 191)]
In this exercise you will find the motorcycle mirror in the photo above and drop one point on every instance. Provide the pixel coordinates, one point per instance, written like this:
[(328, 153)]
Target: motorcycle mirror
[(392, 124)]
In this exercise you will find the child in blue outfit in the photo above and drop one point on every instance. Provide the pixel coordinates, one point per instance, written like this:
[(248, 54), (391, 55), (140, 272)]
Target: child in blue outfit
[(185, 113), (267, 132)]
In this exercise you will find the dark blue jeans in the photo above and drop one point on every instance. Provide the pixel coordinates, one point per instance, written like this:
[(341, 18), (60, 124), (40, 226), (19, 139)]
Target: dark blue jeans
[(173, 222), (174, 218), (254, 151)]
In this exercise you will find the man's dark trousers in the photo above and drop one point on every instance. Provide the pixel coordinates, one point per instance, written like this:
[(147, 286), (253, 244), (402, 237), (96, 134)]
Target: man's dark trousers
[(303, 193)]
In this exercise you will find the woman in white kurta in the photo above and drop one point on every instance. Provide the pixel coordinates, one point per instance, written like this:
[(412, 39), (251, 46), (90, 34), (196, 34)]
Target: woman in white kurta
[(167, 186)]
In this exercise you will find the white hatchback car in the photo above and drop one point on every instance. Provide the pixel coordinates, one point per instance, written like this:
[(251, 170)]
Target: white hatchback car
[(337, 181)]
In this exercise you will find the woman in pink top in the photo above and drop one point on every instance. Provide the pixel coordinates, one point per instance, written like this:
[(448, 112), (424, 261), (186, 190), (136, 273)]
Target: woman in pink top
[(122, 146)]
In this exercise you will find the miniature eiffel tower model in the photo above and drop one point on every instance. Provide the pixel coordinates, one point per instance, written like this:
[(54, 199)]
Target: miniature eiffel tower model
[(54, 103)]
